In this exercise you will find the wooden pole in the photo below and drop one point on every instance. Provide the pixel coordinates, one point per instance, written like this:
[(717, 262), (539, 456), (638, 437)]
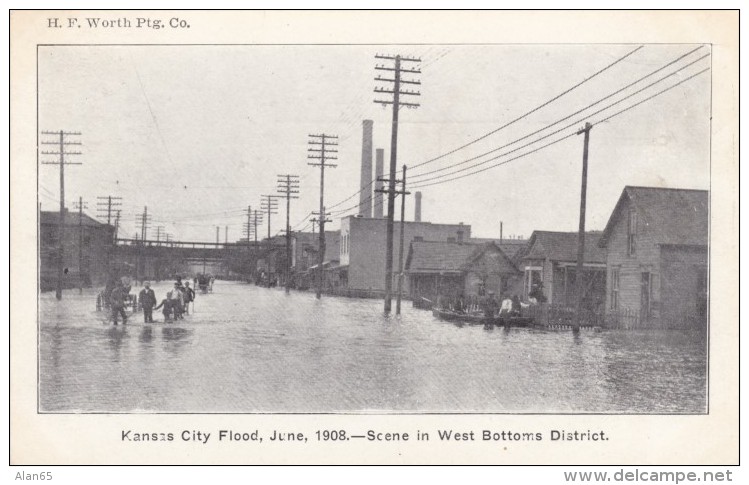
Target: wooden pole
[(580, 288), (403, 194)]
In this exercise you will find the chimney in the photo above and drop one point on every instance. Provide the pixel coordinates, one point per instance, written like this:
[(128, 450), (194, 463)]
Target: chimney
[(460, 233), (417, 207), (365, 196), (379, 171)]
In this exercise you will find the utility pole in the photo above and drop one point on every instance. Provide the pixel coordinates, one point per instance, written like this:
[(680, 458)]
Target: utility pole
[(248, 226), (403, 194), (581, 230), (159, 229), (288, 185), (145, 221), (80, 245), (105, 204), (270, 206), (61, 144), (327, 145), (116, 227), (217, 236), (314, 222), (226, 234), (396, 92)]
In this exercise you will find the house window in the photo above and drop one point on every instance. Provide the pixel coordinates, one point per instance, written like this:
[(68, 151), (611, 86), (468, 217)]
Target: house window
[(632, 233), (614, 288), (532, 278)]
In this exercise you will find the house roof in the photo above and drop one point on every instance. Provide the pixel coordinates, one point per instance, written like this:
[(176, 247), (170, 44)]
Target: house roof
[(562, 246), (448, 257), (511, 247), (71, 219), (672, 216), (439, 256)]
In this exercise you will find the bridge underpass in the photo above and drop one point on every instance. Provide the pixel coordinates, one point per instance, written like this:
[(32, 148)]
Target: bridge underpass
[(159, 260)]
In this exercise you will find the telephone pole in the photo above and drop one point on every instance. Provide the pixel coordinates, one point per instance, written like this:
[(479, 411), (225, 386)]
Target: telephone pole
[(145, 221), (396, 93), (159, 230), (328, 149), (403, 194), (269, 206), (80, 245), (61, 143), (116, 227), (581, 230), (288, 185), (105, 204)]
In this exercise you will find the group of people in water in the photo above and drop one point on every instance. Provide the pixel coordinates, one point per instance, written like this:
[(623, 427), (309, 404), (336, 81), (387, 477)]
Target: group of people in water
[(174, 307)]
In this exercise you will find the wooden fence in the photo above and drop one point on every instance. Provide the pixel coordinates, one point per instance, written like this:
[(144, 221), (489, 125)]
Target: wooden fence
[(560, 316)]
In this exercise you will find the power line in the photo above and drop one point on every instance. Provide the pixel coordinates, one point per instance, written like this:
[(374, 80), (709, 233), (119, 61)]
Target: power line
[(562, 138), (575, 123), (531, 111), (423, 174)]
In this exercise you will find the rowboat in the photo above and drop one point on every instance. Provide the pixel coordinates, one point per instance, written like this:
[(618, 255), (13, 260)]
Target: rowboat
[(481, 319)]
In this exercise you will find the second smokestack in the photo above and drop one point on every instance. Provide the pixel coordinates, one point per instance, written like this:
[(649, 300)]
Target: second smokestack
[(365, 182), (417, 207), (379, 172)]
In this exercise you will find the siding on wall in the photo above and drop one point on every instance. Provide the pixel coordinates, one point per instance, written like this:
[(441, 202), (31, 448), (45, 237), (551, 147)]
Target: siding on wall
[(645, 259), (682, 268)]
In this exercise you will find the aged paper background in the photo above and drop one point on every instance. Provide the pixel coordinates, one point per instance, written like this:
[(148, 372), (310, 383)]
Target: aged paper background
[(95, 439)]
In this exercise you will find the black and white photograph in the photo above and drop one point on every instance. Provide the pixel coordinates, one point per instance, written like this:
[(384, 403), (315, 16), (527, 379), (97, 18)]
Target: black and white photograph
[(371, 228), (374, 228)]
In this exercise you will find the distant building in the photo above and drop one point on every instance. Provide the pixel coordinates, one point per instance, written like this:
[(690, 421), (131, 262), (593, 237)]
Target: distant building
[(97, 244), (363, 249), (450, 269), (550, 262), (656, 241), (304, 255)]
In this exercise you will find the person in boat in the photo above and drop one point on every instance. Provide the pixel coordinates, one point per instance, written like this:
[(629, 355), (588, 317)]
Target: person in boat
[(489, 305), (147, 301), (460, 304), (188, 295), (537, 293), (506, 309), (517, 306), (117, 301)]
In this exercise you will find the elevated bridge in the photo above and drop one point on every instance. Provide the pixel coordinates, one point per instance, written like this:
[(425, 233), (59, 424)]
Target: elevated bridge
[(152, 259)]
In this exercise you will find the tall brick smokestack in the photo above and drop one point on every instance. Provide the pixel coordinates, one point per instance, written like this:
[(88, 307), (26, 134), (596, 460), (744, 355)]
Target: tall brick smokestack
[(365, 182), (379, 171), (417, 207)]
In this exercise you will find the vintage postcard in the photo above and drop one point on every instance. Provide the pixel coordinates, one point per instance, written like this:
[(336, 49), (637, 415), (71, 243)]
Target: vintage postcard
[(374, 237)]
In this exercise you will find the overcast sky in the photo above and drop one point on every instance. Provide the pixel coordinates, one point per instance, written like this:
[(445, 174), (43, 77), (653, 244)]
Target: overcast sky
[(198, 133)]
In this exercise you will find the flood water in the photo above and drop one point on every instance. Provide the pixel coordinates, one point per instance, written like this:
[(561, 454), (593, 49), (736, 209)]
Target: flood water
[(249, 349)]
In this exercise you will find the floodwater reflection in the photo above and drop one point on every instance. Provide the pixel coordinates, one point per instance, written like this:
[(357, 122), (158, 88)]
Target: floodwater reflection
[(250, 349)]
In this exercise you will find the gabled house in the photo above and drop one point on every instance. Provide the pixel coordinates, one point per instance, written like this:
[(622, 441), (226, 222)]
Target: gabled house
[(550, 263), (450, 269), (657, 248)]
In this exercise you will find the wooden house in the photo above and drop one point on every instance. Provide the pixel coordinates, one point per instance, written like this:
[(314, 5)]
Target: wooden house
[(656, 241), (550, 263), (452, 269)]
